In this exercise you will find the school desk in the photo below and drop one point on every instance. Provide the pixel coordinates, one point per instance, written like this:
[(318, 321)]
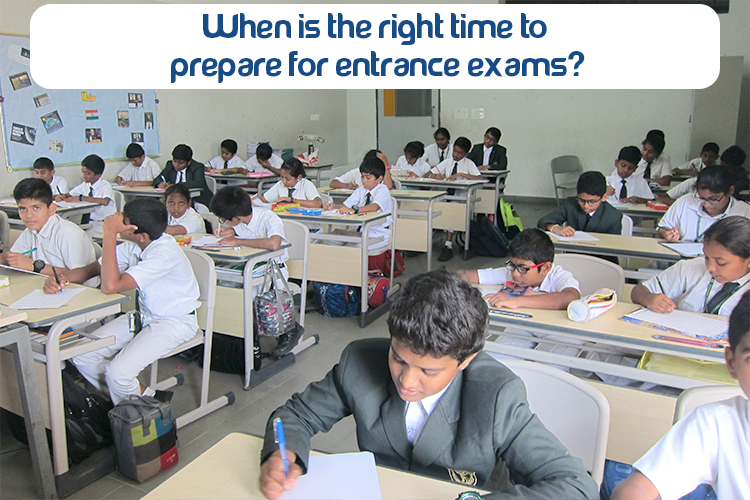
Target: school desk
[(641, 212), (455, 216), (147, 192), (492, 191), (230, 470), (617, 245), (316, 171), (87, 307), (249, 184), (79, 208)]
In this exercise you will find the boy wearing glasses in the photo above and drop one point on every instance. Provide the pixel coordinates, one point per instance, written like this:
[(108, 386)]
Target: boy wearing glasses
[(586, 211)]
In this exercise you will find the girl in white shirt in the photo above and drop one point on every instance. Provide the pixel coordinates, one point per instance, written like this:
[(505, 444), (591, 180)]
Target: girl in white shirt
[(183, 218), (440, 150), (411, 165), (293, 187), (654, 165)]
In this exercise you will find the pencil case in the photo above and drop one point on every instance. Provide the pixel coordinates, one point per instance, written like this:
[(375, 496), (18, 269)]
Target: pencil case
[(591, 306), (305, 211), (283, 207)]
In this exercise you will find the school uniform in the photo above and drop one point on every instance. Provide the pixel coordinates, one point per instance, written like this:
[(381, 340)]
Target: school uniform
[(688, 216), (381, 195), (263, 224), (449, 167), (167, 296), (709, 445), (353, 175), (303, 190), (659, 168), (683, 188), (636, 186), (253, 165), (696, 165), (434, 155), (481, 418), (99, 189), (606, 219), (190, 220), (496, 157), (420, 166), (58, 185), (557, 279), (148, 171), (193, 176), (218, 163)]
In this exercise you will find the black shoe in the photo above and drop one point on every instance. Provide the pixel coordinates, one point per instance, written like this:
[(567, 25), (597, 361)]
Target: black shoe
[(446, 254), (286, 342), (410, 254), (164, 396)]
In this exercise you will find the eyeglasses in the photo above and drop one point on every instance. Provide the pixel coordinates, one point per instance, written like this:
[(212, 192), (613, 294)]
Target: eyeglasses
[(221, 220), (521, 269), (589, 202), (710, 201)]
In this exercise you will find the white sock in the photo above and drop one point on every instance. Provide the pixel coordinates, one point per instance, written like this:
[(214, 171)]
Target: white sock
[(148, 392), (449, 244)]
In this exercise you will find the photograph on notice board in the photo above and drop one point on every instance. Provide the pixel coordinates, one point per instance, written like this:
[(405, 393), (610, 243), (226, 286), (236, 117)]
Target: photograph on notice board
[(93, 135), (148, 120), (41, 100), (135, 100), (55, 146), (20, 81), (52, 122), (137, 137), (23, 134), (123, 119)]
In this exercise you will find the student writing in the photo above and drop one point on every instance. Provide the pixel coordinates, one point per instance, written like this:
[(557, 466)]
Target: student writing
[(624, 186), (93, 189), (293, 187), (185, 170), (142, 170), (440, 150), (708, 157), (183, 218), (228, 161), (352, 179), (410, 165), (264, 160), (44, 169), (654, 165)]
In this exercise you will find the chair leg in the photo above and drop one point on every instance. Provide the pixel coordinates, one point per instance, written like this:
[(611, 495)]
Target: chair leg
[(154, 373)]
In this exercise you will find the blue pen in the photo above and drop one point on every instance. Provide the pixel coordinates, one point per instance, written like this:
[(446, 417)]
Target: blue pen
[(278, 431), (27, 252), (162, 178)]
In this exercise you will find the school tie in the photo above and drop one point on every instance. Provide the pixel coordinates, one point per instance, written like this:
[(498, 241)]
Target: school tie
[(86, 218), (455, 169), (718, 300), (181, 176), (226, 164), (647, 172), (442, 155), (291, 193), (368, 198), (623, 190)]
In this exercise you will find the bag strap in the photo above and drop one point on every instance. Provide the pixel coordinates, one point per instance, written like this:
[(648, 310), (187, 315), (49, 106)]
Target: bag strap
[(276, 272), (143, 406)]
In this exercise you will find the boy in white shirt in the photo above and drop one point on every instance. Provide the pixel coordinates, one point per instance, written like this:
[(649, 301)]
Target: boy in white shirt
[(94, 189), (410, 165), (264, 160), (623, 185), (183, 218), (228, 161), (152, 263), (142, 170), (708, 157), (654, 166), (44, 169), (440, 150), (352, 179)]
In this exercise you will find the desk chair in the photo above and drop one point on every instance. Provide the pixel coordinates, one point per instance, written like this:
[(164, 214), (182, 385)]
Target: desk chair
[(573, 410), (119, 200), (593, 273), (627, 230), (205, 273), (694, 397), (297, 234), (569, 167), (211, 183), (212, 221), (4, 232)]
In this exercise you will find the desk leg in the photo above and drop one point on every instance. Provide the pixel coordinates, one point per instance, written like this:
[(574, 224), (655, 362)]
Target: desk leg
[(430, 209), (469, 214)]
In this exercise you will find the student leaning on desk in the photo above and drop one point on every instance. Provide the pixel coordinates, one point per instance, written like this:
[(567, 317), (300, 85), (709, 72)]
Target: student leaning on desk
[(430, 402), (352, 179), (93, 189), (142, 170)]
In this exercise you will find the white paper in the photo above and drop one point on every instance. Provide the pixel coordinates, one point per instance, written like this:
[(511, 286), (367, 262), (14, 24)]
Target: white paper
[(71, 204), (687, 249), (40, 300), (209, 240), (618, 204), (8, 201), (332, 213), (684, 322), (344, 476), (579, 236)]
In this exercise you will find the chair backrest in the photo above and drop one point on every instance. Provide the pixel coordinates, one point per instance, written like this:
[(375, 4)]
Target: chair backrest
[(565, 164), (205, 273), (211, 183), (297, 234), (97, 249), (4, 231), (574, 411), (593, 273), (694, 397), (627, 226), (212, 220), (119, 200)]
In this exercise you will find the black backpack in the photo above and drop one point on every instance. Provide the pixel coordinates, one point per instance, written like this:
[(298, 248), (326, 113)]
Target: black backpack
[(486, 238), (86, 423)]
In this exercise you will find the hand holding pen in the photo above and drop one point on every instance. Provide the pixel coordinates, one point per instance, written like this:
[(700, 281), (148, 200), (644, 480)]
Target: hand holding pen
[(280, 471)]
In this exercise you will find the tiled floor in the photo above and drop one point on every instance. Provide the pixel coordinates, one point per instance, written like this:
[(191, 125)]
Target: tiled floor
[(251, 408)]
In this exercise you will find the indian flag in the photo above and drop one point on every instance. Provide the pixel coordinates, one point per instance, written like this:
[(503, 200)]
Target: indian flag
[(92, 114)]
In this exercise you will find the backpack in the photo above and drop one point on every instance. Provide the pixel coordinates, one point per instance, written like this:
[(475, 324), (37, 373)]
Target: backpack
[(486, 238), (508, 220), (382, 263), (377, 288), (86, 423), (336, 301)]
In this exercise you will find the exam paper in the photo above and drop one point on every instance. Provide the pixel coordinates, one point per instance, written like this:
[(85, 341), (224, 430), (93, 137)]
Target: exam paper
[(344, 475), (579, 236), (683, 322), (8, 201), (70, 204), (209, 240), (686, 249), (332, 213), (40, 300)]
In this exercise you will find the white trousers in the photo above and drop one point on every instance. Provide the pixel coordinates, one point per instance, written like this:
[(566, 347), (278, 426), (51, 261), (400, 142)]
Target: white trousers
[(117, 366)]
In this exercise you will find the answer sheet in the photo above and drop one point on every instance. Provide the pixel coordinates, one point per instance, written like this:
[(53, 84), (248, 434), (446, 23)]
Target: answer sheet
[(343, 475), (683, 322), (579, 236), (686, 249), (40, 300)]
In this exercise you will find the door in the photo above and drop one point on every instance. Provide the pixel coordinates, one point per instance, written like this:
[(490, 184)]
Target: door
[(406, 115)]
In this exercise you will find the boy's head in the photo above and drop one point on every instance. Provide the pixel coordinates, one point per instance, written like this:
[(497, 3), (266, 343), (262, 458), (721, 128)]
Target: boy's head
[(530, 257), (653, 145), (461, 148), (178, 200), (135, 154), (263, 151), (733, 156), (442, 137), (373, 153), (627, 161), (437, 326), (737, 355), (44, 169), (149, 215), (92, 168), (34, 200), (591, 188), (709, 153), (413, 151), (292, 171), (228, 149), (491, 137), (372, 171), (182, 155), (232, 203)]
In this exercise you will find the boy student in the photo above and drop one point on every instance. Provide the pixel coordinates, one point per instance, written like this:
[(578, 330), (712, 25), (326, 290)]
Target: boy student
[(624, 186), (428, 401), (585, 212), (352, 179), (183, 218), (152, 263), (228, 161), (142, 170), (411, 163), (264, 160), (93, 189), (440, 149), (48, 239), (708, 157), (44, 169), (183, 169), (654, 166), (708, 445), (490, 155)]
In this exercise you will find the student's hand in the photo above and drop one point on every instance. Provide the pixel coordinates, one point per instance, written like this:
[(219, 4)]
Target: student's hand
[(20, 261), (273, 483), (629, 199), (59, 197), (660, 303), (51, 286), (226, 231), (411, 175), (382, 158), (352, 185), (230, 240), (437, 176), (345, 210), (162, 185), (454, 177), (120, 181), (69, 198), (563, 231), (500, 299), (284, 199), (115, 224), (483, 167), (672, 235), (129, 184), (610, 191)]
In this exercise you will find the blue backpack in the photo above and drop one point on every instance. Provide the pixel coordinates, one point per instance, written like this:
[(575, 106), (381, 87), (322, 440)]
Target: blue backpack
[(337, 301)]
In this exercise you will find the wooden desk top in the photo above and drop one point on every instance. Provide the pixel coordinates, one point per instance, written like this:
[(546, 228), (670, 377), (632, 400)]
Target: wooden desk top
[(464, 184), (639, 209), (148, 191), (620, 246), (235, 254), (230, 470), (344, 220), (9, 316), (493, 173), (244, 177), (399, 194), (12, 208)]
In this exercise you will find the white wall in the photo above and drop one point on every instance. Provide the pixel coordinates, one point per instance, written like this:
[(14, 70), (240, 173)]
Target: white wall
[(735, 41)]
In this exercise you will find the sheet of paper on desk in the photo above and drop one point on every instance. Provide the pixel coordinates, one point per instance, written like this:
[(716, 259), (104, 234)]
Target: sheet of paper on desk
[(332, 213), (686, 249), (71, 204), (618, 204), (40, 300), (8, 201), (579, 236), (345, 475), (208, 240), (683, 322)]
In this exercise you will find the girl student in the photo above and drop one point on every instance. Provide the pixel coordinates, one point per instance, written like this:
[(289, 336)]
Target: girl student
[(440, 150), (711, 284), (293, 187), (183, 218), (693, 213)]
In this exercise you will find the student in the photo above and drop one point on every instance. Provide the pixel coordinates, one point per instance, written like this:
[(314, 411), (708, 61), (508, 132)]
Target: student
[(183, 218), (228, 161), (585, 212), (708, 445), (185, 170), (439, 150), (93, 189), (530, 264), (293, 187), (48, 239), (654, 165), (428, 401), (152, 263), (708, 157), (44, 169), (490, 155), (712, 284), (410, 164), (691, 215), (624, 186), (352, 179), (264, 160), (142, 170)]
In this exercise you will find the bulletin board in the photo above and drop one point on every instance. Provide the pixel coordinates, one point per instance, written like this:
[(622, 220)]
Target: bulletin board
[(68, 125)]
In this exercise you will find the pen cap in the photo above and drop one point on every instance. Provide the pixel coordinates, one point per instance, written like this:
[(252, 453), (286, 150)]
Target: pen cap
[(589, 307)]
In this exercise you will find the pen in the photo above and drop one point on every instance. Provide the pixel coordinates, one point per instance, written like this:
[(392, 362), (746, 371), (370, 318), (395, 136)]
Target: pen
[(27, 252), (162, 178), (278, 431), (54, 271), (510, 313), (688, 341)]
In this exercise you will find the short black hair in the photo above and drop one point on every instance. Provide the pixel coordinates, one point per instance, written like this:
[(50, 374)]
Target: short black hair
[(657, 141), (373, 153), (739, 321), (494, 132), (230, 145), (373, 166), (182, 152), (715, 178), (442, 131), (710, 147), (462, 143), (655, 132), (532, 244), (134, 150), (180, 189), (294, 167), (149, 215), (630, 154), (231, 202), (44, 163), (439, 314), (33, 189), (264, 151), (593, 183), (733, 233), (94, 163), (733, 155), (414, 149)]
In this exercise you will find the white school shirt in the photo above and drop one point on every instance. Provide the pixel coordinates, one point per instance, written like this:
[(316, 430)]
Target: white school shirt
[(683, 188), (710, 445), (465, 166), (263, 224), (303, 190), (695, 164), (688, 284), (637, 186), (432, 154), (688, 216), (353, 175), (381, 195), (102, 189), (420, 166), (190, 220), (659, 167), (417, 413), (557, 279), (166, 284), (253, 165), (59, 243), (58, 185), (148, 171), (486, 157), (234, 162)]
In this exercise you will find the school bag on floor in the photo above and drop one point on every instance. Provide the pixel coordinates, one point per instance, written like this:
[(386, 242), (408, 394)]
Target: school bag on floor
[(335, 300), (486, 238), (508, 220)]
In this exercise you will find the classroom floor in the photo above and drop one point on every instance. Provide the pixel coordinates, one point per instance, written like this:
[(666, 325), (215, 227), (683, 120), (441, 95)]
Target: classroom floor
[(251, 408)]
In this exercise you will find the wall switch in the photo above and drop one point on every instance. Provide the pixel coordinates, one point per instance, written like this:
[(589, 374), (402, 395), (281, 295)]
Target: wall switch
[(314, 118), (461, 113), (477, 113)]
